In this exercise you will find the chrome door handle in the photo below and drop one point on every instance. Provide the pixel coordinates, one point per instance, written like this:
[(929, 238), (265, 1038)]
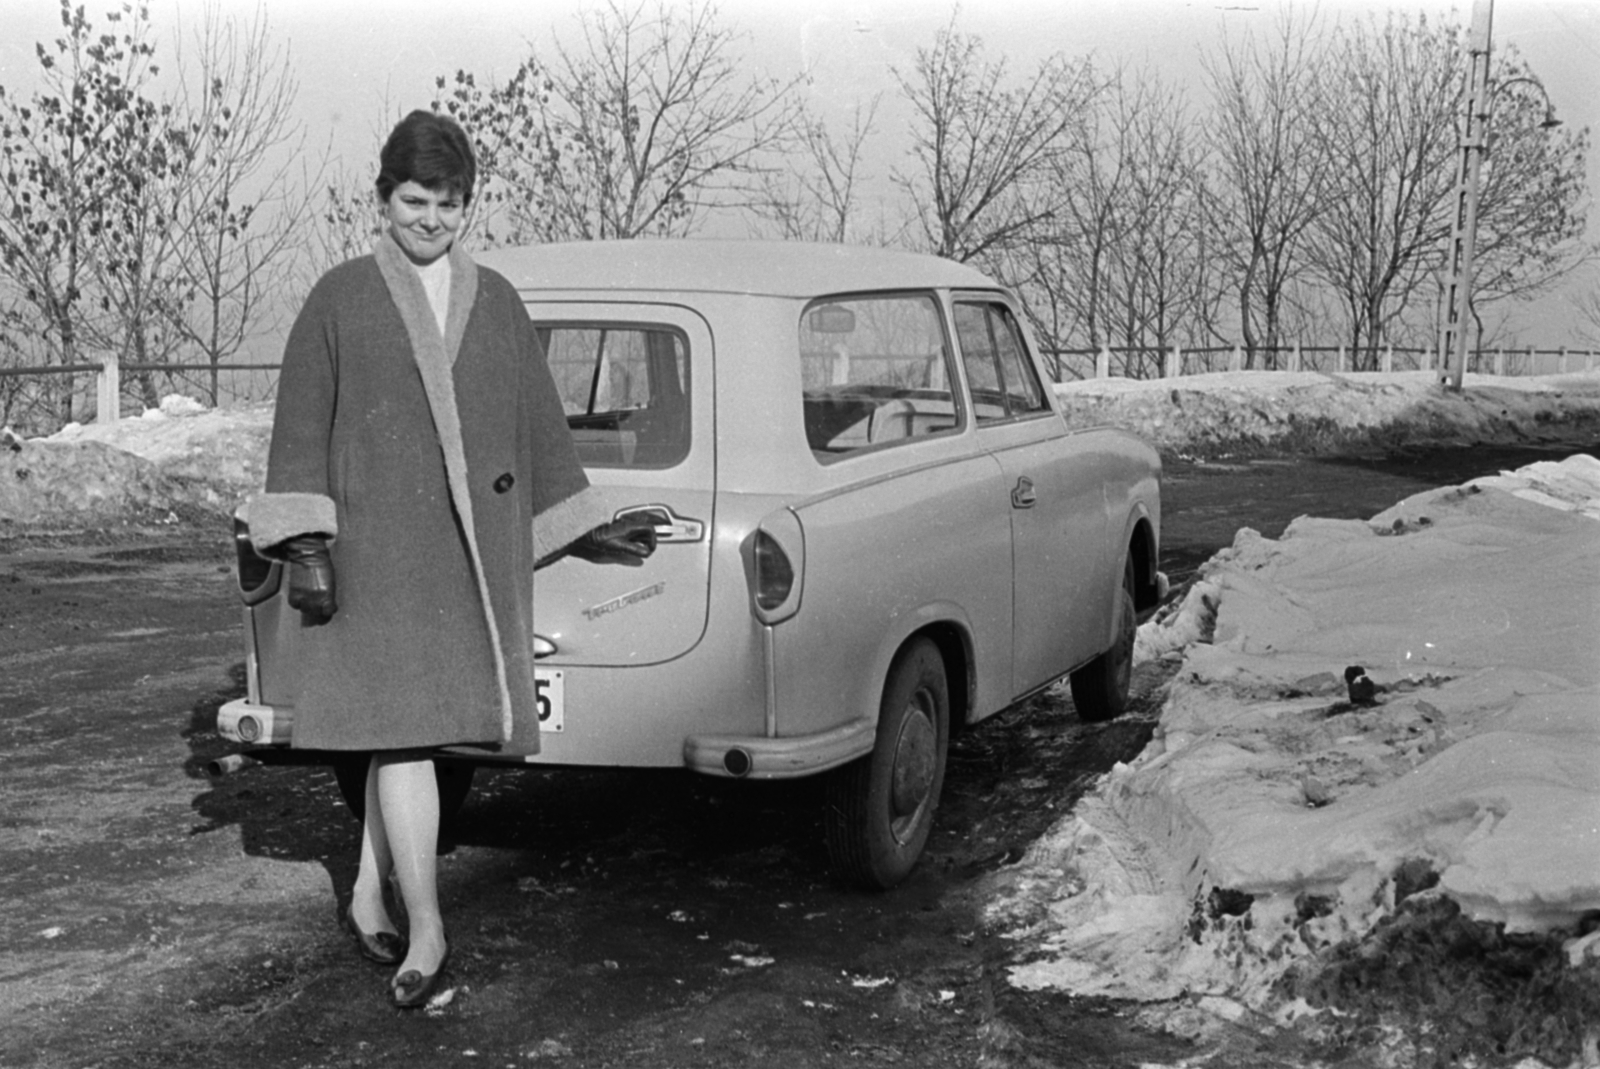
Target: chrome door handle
[(1022, 495), (670, 527)]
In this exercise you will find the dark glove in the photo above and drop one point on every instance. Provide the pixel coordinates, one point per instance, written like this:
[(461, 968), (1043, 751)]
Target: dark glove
[(628, 539), (310, 576)]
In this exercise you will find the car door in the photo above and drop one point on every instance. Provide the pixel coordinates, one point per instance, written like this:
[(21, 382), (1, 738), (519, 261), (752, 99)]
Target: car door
[(635, 380), (1056, 497)]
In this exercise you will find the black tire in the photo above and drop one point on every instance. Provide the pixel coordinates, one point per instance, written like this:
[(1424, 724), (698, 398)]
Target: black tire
[(454, 779), (880, 807), (1100, 688)]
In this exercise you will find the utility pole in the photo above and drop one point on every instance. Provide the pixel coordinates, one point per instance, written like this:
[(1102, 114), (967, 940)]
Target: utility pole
[(1464, 225)]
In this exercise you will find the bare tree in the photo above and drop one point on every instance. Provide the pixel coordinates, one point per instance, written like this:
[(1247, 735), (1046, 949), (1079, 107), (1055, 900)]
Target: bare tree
[(145, 169), (239, 214), (640, 131), (1121, 261), (60, 151), (516, 160), (130, 220), (1156, 289), (1384, 121), (1533, 199), (981, 149), (345, 220), (1264, 197), (819, 199), (1586, 302), (1065, 265), (1388, 119)]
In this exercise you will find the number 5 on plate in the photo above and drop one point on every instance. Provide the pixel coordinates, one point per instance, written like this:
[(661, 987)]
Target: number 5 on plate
[(549, 697)]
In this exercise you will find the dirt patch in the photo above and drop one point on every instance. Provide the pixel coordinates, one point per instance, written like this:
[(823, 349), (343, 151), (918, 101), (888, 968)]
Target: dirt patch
[(155, 918), (1433, 989)]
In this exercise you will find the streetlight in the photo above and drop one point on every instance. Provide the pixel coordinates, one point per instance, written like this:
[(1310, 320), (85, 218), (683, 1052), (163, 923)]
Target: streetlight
[(1464, 225)]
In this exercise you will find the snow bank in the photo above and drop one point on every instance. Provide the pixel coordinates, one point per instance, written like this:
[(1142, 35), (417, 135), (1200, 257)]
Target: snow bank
[(1233, 412), (176, 457), (1271, 817)]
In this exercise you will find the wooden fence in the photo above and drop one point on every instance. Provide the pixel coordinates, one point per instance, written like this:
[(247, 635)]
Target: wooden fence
[(216, 383)]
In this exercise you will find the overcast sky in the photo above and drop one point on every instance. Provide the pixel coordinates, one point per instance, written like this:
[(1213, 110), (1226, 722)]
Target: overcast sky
[(360, 63)]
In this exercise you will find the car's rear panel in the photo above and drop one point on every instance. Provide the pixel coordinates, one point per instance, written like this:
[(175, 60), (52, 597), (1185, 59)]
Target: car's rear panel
[(626, 668)]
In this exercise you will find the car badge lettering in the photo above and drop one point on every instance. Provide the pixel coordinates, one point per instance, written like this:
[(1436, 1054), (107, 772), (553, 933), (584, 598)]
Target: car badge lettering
[(617, 604)]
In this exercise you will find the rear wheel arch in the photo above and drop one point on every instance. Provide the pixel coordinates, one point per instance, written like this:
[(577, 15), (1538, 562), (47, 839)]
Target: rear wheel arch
[(955, 646), (948, 627), (1142, 554)]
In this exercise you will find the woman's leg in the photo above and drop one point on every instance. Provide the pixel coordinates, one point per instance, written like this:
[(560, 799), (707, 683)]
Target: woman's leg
[(408, 797), (367, 907)]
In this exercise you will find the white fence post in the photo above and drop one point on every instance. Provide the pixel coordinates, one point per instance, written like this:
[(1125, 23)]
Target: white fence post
[(1102, 363), (1294, 357), (1174, 363), (1236, 361), (1338, 362), (1563, 360), (108, 390), (1500, 361), (1388, 358)]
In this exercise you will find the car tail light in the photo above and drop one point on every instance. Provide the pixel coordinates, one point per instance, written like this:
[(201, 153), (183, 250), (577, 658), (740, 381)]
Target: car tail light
[(774, 573), (776, 564), (255, 571)]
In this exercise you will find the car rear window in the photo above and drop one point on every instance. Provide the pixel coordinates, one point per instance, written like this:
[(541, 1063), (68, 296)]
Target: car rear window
[(875, 370), (625, 389)]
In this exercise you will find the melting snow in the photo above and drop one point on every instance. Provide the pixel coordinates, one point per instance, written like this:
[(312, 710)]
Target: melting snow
[(1270, 816)]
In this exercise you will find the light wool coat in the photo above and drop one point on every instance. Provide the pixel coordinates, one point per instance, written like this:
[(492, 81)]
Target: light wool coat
[(442, 468)]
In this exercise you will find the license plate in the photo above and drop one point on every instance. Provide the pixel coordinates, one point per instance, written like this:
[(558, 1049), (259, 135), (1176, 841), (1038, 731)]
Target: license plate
[(550, 698)]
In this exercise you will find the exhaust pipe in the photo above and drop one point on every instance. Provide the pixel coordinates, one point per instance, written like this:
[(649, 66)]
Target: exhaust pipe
[(737, 762), (234, 762)]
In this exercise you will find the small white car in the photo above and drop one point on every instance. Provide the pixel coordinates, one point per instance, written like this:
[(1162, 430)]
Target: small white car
[(873, 524)]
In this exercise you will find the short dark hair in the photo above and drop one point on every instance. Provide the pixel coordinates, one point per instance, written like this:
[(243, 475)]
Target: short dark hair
[(431, 150)]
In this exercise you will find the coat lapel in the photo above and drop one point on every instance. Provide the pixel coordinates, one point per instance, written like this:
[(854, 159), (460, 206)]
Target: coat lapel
[(435, 356)]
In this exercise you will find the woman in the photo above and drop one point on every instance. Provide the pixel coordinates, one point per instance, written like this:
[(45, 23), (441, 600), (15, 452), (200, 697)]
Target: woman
[(420, 467)]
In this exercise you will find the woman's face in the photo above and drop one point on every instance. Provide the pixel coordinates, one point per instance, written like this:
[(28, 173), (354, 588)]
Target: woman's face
[(424, 221)]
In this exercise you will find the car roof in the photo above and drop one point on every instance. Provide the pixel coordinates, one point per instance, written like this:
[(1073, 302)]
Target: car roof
[(768, 268)]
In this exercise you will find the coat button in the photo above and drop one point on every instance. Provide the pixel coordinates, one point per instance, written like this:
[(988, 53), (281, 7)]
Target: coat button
[(504, 483)]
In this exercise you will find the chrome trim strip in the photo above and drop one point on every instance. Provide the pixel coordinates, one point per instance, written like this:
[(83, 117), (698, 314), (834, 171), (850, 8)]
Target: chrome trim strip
[(769, 658)]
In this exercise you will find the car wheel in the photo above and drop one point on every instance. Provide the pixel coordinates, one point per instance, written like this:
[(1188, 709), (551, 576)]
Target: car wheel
[(1100, 688), (880, 807), (454, 779)]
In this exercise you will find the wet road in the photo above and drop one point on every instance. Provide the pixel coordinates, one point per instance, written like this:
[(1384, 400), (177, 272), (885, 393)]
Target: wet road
[(155, 918)]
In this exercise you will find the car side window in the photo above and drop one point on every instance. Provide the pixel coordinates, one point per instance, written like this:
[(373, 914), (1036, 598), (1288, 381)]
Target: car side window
[(625, 389), (1003, 380), (875, 369)]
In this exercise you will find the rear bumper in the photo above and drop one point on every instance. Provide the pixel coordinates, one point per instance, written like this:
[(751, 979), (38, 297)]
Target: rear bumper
[(243, 721), (733, 756), (760, 757)]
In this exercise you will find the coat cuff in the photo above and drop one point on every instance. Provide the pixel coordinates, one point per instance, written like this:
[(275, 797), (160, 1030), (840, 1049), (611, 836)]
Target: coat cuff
[(275, 518), (562, 523)]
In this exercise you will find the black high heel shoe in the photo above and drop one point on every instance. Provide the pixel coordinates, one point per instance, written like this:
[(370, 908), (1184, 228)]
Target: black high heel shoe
[(385, 948), (412, 989)]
